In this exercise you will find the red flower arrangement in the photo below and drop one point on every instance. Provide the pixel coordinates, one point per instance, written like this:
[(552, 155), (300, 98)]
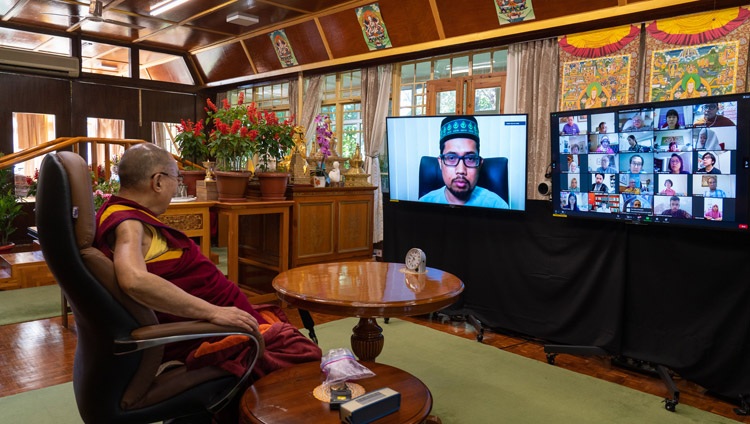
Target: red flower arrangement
[(192, 141), (240, 131)]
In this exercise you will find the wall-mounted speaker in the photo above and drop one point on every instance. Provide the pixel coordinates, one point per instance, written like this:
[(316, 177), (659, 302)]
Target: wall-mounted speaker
[(544, 189)]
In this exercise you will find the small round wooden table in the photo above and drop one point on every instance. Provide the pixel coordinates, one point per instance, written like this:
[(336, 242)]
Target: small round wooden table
[(367, 290), (286, 396)]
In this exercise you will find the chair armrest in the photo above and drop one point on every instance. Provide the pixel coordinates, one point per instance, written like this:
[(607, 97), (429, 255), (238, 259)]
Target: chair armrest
[(161, 334)]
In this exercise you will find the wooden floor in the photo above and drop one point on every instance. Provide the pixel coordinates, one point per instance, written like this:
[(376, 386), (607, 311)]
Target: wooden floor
[(40, 353)]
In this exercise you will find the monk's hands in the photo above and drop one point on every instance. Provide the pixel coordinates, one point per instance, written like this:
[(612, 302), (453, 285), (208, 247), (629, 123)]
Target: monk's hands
[(234, 317)]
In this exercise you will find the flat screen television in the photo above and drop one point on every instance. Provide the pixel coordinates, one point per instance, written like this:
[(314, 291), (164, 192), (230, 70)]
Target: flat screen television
[(681, 162), (462, 175)]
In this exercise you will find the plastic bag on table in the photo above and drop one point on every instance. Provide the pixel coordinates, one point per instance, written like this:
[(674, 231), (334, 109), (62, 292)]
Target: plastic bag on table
[(340, 365)]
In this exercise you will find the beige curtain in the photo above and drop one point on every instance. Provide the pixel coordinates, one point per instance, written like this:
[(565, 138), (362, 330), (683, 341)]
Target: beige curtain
[(294, 99), (107, 128), (161, 136), (376, 93), (532, 88), (33, 130), (311, 108)]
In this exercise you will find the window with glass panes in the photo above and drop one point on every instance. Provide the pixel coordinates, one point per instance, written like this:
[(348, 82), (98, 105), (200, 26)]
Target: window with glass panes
[(342, 103), (414, 75), (273, 97)]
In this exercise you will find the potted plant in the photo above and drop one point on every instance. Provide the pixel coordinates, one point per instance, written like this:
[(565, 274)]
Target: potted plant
[(230, 142), (273, 140), (241, 130), (191, 140), (10, 208)]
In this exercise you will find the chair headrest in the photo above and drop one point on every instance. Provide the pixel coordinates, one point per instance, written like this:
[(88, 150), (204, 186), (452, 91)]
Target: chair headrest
[(493, 175), (82, 199)]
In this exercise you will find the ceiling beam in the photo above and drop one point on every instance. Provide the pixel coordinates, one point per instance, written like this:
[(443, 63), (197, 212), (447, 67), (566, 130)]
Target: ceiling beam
[(504, 32), (438, 21)]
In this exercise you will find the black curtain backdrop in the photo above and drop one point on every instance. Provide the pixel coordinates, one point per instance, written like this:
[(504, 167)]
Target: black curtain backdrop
[(661, 294), (688, 305)]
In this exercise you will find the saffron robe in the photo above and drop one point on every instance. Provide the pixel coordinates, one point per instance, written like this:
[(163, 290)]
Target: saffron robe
[(184, 265)]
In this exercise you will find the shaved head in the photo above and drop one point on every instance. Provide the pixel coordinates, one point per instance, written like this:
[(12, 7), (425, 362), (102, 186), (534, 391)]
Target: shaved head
[(139, 162)]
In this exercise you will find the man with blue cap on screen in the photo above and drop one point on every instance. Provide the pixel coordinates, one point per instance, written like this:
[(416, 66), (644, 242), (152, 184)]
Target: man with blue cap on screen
[(460, 163)]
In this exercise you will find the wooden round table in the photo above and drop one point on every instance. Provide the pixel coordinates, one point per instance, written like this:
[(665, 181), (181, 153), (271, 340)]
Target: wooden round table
[(286, 396), (367, 290)]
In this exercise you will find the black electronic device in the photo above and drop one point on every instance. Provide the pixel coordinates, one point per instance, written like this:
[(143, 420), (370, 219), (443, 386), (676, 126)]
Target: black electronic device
[(339, 395), (675, 163)]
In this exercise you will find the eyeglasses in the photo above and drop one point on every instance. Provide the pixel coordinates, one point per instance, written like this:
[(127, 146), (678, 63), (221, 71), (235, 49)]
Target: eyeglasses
[(176, 177), (470, 160)]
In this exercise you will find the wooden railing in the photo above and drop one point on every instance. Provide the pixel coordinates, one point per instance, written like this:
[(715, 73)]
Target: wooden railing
[(77, 144)]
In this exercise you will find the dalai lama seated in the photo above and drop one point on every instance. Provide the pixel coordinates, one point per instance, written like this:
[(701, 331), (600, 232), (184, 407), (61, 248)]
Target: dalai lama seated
[(165, 270)]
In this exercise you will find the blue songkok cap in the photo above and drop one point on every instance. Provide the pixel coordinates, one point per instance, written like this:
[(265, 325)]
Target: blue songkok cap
[(459, 127)]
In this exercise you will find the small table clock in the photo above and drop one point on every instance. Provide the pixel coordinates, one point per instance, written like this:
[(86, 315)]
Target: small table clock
[(416, 260)]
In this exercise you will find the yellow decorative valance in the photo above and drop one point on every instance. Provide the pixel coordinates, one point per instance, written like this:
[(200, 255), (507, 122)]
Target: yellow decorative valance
[(700, 28), (599, 43)]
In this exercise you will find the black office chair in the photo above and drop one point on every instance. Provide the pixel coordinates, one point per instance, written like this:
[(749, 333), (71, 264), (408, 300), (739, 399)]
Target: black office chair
[(120, 342), (493, 175)]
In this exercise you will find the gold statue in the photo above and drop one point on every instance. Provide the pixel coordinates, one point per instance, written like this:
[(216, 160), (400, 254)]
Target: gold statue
[(332, 140), (356, 176), (297, 158), (300, 144)]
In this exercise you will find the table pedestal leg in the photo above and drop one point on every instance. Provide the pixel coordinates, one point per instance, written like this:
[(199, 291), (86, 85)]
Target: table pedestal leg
[(367, 339)]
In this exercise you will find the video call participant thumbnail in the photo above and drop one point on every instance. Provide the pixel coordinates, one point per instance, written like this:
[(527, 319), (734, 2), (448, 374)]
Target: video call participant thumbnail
[(675, 210)]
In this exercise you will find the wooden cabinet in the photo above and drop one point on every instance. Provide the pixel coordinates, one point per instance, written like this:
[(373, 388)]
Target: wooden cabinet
[(193, 219), (331, 224), (257, 240)]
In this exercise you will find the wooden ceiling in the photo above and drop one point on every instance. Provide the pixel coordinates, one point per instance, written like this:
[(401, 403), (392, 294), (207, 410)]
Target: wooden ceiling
[(322, 33)]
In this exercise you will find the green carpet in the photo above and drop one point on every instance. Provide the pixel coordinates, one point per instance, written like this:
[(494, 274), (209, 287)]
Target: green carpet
[(51, 405), (475, 383), (470, 383), (30, 304)]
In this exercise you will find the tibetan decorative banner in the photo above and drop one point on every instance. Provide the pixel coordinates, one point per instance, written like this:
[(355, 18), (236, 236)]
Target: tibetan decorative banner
[(509, 11), (373, 27), (598, 68), (283, 48), (697, 55)]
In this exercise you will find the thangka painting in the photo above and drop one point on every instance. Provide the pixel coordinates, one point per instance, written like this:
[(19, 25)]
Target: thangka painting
[(694, 71), (592, 75), (373, 27), (509, 11), (698, 55), (283, 48)]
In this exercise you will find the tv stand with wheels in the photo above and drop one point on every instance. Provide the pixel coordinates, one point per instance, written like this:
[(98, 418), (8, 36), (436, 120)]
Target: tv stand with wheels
[(744, 408), (670, 404), (458, 317)]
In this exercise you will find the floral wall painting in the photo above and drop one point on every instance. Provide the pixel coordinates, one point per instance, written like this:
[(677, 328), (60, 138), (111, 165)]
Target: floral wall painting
[(509, 11), (373, 27), (598, 68), (283, 48), (697, 55)]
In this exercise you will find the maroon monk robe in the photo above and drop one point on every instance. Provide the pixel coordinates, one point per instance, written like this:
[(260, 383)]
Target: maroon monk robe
[(197, 275)]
